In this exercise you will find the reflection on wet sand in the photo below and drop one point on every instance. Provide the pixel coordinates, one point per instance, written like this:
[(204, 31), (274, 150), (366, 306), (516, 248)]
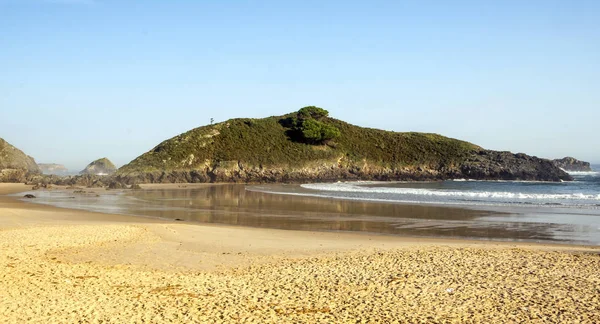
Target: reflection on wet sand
[(234, 205)]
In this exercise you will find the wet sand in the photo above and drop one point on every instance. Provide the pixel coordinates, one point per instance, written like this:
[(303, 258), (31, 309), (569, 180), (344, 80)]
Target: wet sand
[(60, 265), (240, 205)]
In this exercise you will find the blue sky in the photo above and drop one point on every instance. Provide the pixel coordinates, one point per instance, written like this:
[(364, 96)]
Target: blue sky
[(83, 79)]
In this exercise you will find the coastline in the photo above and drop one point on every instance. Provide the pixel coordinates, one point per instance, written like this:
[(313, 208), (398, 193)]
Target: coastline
[(291, 207), (41, 214), (125, 267)]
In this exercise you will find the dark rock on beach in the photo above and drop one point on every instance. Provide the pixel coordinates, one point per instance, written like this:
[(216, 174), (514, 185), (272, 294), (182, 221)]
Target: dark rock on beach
[(86, 181)]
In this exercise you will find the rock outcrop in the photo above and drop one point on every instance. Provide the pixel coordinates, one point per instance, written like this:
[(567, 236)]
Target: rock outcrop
[(85, 180), (101, 166), (482, 165), (494, 165), (282, 149), (572, 164), (53, 168), (15, 165)]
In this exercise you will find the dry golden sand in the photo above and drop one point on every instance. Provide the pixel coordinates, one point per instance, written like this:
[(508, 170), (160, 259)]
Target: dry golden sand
[(69, 266)]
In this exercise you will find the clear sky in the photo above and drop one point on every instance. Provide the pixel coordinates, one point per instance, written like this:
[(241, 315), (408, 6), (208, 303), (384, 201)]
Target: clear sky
[(84, 79)]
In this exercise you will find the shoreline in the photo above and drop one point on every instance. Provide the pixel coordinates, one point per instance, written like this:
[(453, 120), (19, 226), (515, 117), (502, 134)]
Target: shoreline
[(92, 267), (133, 219), (329, 208)]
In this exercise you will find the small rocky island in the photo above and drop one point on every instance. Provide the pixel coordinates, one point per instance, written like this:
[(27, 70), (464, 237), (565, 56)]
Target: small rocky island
[(309, 146), (572, 164), (100, 167)]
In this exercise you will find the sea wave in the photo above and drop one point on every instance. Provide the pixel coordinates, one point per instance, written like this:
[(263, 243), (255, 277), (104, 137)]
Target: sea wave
[(584, 173), (350, 187), (304, 194), (488, 181)]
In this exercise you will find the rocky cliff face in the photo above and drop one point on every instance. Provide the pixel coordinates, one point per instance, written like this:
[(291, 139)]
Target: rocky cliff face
[(482, 165), (571, 164), (101, 166), (14, 164), (494, 165), (53, 168)]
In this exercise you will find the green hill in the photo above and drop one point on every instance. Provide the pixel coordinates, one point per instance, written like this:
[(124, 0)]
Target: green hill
[(308, 145)]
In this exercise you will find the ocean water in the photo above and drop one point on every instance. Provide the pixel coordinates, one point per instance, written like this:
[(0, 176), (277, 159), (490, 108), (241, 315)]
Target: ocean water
[(567, 212), (583, 193)]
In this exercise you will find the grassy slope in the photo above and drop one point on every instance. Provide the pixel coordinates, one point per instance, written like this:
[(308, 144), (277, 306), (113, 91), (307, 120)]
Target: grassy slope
[(264, 142)]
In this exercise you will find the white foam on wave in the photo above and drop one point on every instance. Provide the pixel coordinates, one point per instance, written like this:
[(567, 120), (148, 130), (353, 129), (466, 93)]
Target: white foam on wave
[(584, 173), (419, 202), (304, 194), (493, 181), (352, 187)]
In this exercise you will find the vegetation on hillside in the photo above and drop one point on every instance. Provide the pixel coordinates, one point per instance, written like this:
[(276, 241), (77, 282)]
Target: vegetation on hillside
[(308, 126), (296, 139)]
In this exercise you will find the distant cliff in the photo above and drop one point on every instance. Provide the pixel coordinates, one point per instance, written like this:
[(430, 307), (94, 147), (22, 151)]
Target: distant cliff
[(572, 164), (308, 145), (52, 168), (14, 164), (101, 166)]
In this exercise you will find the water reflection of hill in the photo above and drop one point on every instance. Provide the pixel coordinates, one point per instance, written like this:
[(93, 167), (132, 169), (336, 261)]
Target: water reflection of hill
[(233, 205)]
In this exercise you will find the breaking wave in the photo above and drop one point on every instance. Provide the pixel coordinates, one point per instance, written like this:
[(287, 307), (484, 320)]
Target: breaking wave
[(584, 173), (501, 195)]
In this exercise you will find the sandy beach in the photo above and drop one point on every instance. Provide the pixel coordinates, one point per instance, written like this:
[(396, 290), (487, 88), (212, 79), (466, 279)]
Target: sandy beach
[(70, 266)]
